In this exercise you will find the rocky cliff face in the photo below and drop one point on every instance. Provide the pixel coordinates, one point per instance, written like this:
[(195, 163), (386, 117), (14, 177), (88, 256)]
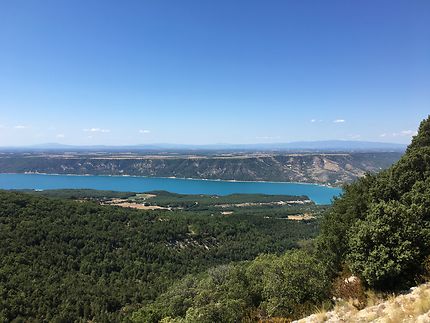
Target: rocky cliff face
[(333, 169)]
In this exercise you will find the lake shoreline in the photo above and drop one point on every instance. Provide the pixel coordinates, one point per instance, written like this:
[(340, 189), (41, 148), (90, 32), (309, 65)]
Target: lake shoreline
[(320, 194), (176, 178)]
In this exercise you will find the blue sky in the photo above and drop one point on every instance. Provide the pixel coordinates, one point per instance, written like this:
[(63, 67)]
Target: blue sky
[(213, 71)]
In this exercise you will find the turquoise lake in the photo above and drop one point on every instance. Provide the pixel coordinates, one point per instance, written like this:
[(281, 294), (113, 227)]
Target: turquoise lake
[(319, 194)]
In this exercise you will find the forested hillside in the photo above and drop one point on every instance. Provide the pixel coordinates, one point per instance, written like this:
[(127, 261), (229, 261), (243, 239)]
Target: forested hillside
[(379, 231), (381, 225), (65, 260), (321, 168)]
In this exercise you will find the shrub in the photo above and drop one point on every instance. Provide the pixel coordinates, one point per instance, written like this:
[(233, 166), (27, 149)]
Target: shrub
[(388, 247)]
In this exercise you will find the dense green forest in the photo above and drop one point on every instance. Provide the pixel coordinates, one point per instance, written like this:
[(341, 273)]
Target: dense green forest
[(64, 260), (379, 230), (205, 201), (164, 198), (80, 194)]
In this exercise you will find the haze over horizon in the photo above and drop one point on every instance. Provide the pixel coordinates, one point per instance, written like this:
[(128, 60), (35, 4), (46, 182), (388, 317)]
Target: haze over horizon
[(244, 72), (346, 145)]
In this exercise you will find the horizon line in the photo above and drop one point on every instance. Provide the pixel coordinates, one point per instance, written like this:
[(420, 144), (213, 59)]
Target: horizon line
[(209, 144)]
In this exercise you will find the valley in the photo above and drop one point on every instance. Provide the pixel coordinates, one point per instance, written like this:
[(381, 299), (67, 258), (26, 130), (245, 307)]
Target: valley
[(75, 255)]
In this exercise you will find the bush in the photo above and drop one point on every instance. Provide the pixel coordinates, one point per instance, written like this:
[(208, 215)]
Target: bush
[(293, 285), (290, 285), (349, 288), (388, 246)]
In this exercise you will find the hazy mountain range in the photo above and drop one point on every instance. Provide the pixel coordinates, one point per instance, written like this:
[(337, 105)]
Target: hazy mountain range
[(327, 145)]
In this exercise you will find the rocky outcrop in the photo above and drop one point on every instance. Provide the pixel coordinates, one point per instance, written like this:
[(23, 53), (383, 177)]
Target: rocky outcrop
[(411, 307)]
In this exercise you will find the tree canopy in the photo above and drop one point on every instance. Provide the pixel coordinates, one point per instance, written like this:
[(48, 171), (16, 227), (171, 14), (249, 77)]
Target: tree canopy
[(381, 225)]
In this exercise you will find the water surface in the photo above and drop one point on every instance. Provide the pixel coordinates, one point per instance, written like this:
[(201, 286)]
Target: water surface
[(319, 194)]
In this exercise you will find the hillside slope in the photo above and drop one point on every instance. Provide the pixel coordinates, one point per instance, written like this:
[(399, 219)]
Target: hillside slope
[(378, 231), (380, 227), (78, 261), (333, 169)]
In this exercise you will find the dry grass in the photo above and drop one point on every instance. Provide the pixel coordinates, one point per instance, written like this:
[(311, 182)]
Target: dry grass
[(305, 216), (422, 303), (411, 307), (372, 298), (275, 320), (321, 315), (127, 204)]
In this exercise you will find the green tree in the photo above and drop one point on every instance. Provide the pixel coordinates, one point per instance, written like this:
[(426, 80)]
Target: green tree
[(294, 284), (388, 247)]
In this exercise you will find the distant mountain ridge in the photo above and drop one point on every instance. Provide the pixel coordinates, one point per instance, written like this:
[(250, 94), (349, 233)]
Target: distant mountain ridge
[(324, 145)]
